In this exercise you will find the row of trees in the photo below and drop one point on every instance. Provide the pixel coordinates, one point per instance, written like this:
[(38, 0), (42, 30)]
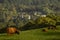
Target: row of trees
[(50, 19), (42, 22)]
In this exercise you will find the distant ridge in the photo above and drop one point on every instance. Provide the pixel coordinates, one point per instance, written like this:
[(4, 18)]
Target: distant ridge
[(32, 5)]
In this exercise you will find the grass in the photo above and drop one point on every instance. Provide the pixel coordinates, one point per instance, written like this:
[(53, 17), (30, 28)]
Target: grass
[(35, 34), (9, 37), (38, 35)]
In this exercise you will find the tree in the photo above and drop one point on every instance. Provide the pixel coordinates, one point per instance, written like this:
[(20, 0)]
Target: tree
[(46, 21)]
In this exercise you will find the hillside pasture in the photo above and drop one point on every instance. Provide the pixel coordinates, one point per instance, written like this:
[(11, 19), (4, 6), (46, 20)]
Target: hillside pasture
[(36, 34)]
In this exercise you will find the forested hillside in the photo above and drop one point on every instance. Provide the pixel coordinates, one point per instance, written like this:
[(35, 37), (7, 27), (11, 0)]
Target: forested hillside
[(52, 5), (10, 10)]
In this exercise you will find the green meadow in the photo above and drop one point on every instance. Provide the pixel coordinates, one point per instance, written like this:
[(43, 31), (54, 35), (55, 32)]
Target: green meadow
[(35, 34)]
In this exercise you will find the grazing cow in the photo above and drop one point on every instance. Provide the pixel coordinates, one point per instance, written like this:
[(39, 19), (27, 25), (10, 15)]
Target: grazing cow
[(12, 30), (44, 30), (52, 27)]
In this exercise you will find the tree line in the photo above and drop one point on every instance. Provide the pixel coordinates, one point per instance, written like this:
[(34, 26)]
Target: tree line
[(10, 8)]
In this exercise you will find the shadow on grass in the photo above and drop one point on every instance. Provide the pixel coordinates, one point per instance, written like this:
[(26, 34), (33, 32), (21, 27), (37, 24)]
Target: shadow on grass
[(48, 33), (52, 34), (53, 39), (3, 35), (10, 39)]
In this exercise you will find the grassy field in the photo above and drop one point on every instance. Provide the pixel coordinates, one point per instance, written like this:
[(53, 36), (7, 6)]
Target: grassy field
[(35, 34)]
